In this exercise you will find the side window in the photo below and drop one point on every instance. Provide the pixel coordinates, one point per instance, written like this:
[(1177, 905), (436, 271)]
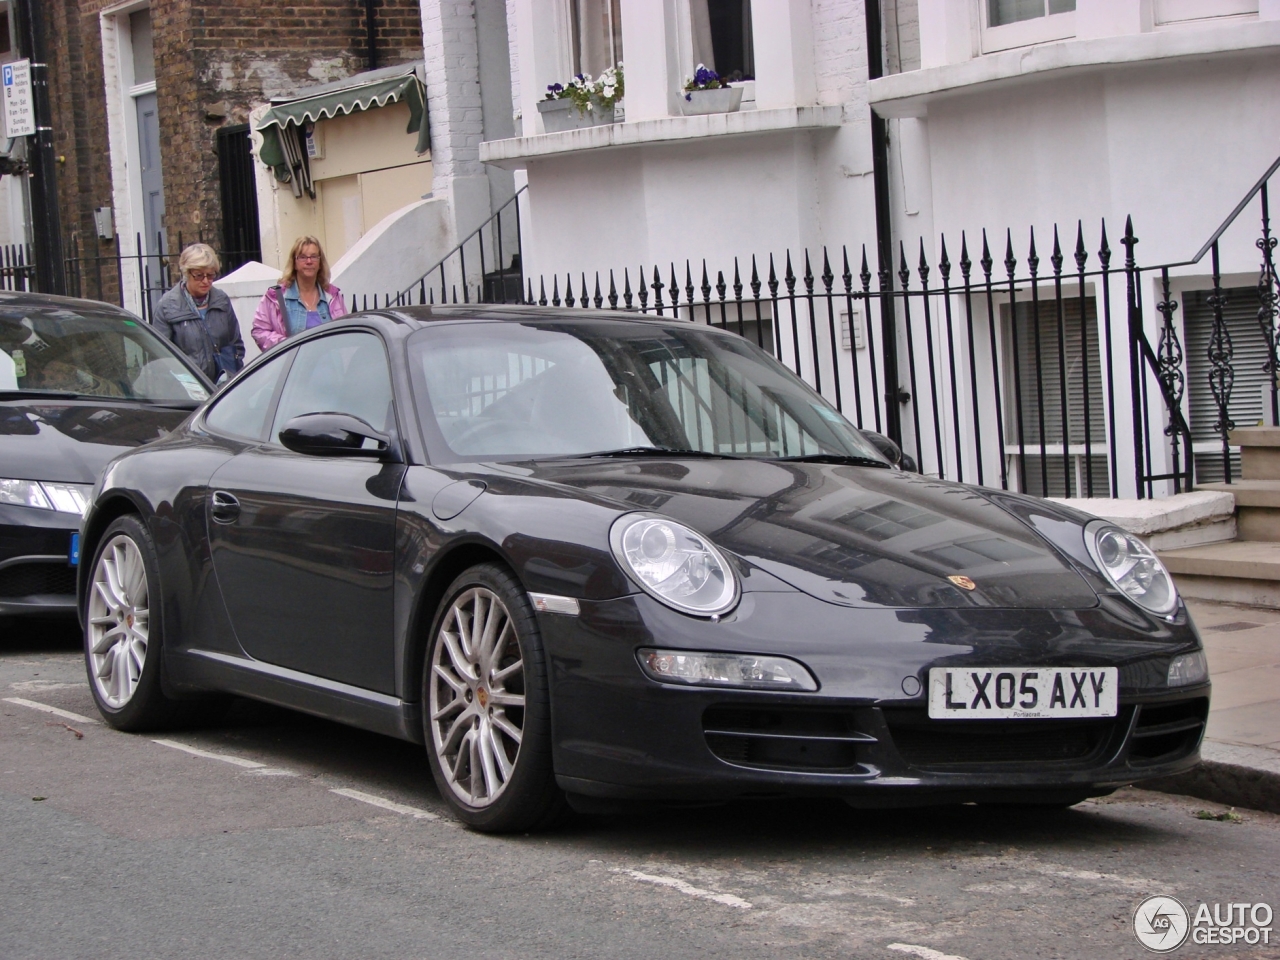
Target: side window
[(242, 410), (345, 373)]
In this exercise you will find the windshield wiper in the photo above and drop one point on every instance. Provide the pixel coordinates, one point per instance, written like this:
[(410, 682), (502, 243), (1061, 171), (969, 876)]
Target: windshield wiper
[(833, 458), (651, 452)]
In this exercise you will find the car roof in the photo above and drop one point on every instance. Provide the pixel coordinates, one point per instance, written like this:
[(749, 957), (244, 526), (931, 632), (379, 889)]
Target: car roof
[(422, 314), (28, 301)]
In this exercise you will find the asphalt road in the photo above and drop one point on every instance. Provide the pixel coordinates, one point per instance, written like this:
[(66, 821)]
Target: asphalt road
[(278, 835)]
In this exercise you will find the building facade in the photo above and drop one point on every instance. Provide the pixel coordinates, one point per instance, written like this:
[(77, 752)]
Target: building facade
[(151, 102)]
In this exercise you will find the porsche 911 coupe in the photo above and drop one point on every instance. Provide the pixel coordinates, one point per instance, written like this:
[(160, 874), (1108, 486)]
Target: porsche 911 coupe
[(80, 383), (593, 557)]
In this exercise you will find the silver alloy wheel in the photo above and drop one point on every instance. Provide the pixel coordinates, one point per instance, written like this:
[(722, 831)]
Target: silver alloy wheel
[(477, 697), (119, 621)]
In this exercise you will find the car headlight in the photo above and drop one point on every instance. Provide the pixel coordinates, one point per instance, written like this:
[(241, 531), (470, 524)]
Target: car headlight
[(1131, 566), (62, 497), (674, 564), (726, 670)]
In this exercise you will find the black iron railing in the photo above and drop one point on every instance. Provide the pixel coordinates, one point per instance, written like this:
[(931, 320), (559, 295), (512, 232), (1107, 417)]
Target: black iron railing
[(135, 281), (1017, 373)]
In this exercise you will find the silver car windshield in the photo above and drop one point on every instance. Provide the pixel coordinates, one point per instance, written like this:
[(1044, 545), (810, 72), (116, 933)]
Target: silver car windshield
[(506, 390), (60, 351)]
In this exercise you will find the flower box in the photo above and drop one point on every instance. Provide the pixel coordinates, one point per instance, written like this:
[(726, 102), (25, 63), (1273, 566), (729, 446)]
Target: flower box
[(560, 115), (720, 100)]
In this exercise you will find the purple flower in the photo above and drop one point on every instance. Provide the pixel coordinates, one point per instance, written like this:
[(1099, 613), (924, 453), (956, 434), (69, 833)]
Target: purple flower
[(688, 96)]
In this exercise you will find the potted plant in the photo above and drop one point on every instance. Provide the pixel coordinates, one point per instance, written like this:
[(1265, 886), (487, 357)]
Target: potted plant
[(706, 93), (582, 102)]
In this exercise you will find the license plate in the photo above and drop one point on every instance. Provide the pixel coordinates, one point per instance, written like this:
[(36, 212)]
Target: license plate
[(73, 557), (1022, 693)]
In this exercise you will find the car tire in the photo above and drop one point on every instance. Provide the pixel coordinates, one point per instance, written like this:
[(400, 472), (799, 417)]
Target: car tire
[(123, 640), (486, 711)]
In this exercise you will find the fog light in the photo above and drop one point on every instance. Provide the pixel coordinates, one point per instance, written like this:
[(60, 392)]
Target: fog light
[(1188, 668), (726, 670)]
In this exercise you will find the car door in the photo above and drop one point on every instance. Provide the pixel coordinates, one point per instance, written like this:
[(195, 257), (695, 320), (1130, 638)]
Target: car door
[(302, 544)]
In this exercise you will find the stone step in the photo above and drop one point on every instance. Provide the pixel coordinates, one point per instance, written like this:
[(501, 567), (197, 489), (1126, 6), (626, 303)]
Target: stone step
[(1240, 571), (1259, 452), (1257, 507)]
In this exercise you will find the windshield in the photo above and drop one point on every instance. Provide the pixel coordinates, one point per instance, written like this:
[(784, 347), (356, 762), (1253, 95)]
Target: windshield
[(518, 390), (60, 351)]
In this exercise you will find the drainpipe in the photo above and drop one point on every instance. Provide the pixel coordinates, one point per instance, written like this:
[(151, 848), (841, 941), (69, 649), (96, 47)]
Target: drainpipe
[(884, 230), (371, 35)]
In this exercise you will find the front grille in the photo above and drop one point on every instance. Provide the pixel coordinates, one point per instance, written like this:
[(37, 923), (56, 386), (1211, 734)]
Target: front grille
[(923, 742), (786, 739), (1167, 732), (37, 577)]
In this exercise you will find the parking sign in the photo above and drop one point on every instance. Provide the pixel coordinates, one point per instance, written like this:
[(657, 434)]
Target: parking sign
[(19, 109)]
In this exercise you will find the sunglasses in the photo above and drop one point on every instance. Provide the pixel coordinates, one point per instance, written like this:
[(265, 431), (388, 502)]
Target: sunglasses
[(203, 277)]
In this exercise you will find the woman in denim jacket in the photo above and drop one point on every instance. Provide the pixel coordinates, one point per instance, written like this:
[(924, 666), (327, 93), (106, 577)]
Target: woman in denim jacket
[(303, 299)]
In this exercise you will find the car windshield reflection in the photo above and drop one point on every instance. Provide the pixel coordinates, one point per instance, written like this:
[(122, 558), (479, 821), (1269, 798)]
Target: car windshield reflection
[(508, 391), (66, 353)]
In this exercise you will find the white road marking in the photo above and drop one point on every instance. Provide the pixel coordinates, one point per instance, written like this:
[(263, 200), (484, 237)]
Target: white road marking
[(385, 804), (675, 883), (37, 686), (261, 769), (924, 953), (65, 714)]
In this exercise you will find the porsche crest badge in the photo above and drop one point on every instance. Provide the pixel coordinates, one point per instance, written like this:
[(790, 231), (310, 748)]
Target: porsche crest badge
[(964, 583)]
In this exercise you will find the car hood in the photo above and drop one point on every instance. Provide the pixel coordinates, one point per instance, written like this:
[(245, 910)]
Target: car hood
[(856, 536), (70, 441)]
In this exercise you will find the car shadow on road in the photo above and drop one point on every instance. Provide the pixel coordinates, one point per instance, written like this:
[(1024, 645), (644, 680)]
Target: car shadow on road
[(39, 635), (782, 826)]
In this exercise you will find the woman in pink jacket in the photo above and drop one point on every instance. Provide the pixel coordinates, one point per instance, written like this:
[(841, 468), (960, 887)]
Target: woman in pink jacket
[(302, 299)]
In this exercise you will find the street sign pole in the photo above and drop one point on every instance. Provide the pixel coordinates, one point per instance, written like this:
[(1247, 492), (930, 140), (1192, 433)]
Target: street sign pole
[(46, 218)]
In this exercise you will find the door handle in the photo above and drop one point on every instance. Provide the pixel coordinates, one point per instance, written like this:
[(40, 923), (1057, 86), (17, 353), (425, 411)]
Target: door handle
[(224, 508)]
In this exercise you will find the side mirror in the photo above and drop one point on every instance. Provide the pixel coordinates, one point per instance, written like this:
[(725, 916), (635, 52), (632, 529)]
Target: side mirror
[(334, 435), (892, 452)]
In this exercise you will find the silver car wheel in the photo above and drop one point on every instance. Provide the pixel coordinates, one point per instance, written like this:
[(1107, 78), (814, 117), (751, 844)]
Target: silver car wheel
[(477, 688), (119, 621)]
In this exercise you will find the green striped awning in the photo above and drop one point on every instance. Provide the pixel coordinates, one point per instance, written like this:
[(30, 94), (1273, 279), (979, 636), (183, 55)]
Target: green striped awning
[(281, 124)]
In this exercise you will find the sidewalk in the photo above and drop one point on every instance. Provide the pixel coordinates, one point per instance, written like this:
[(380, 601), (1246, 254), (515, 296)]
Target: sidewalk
[(1241, 749)]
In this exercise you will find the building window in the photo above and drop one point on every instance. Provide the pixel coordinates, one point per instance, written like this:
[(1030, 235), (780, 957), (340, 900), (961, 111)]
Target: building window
[(6, 36), (722, 39), (1180, 11), (1002, 12), (596, 35), (1020, 23)]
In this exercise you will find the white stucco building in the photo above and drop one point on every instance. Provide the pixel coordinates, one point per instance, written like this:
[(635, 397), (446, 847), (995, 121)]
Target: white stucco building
[(998, 115)]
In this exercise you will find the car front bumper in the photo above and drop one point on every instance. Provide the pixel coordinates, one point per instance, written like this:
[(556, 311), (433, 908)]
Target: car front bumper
[(36, 575), (618, 734)]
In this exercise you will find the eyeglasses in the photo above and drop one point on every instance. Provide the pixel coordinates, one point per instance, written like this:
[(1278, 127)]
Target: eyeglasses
[(203, 277), (307, 257)]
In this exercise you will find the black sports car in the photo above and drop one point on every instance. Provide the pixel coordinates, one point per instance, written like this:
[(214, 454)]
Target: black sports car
[(80, 383), (597, 557)]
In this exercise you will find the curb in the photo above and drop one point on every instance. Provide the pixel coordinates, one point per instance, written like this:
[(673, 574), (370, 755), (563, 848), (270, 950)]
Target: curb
[(1223, 778)]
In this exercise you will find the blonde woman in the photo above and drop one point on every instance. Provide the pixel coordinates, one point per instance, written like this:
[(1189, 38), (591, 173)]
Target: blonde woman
[(196, 317), (304, 297)]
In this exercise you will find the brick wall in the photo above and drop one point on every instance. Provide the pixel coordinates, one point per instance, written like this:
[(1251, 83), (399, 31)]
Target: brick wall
[(839, 44), (215, 60)]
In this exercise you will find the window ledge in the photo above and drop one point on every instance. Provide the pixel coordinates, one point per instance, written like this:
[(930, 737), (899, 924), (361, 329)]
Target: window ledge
[(516, 152), (909, 94)]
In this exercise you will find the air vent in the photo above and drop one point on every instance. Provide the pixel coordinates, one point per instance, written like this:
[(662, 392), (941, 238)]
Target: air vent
[(791, 739), (38, 578), (1166, 732), (926, 743)]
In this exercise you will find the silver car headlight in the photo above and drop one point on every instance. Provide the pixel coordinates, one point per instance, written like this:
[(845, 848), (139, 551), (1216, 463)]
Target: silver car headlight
[(1131, 566), (674, 564), (43, 495)]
